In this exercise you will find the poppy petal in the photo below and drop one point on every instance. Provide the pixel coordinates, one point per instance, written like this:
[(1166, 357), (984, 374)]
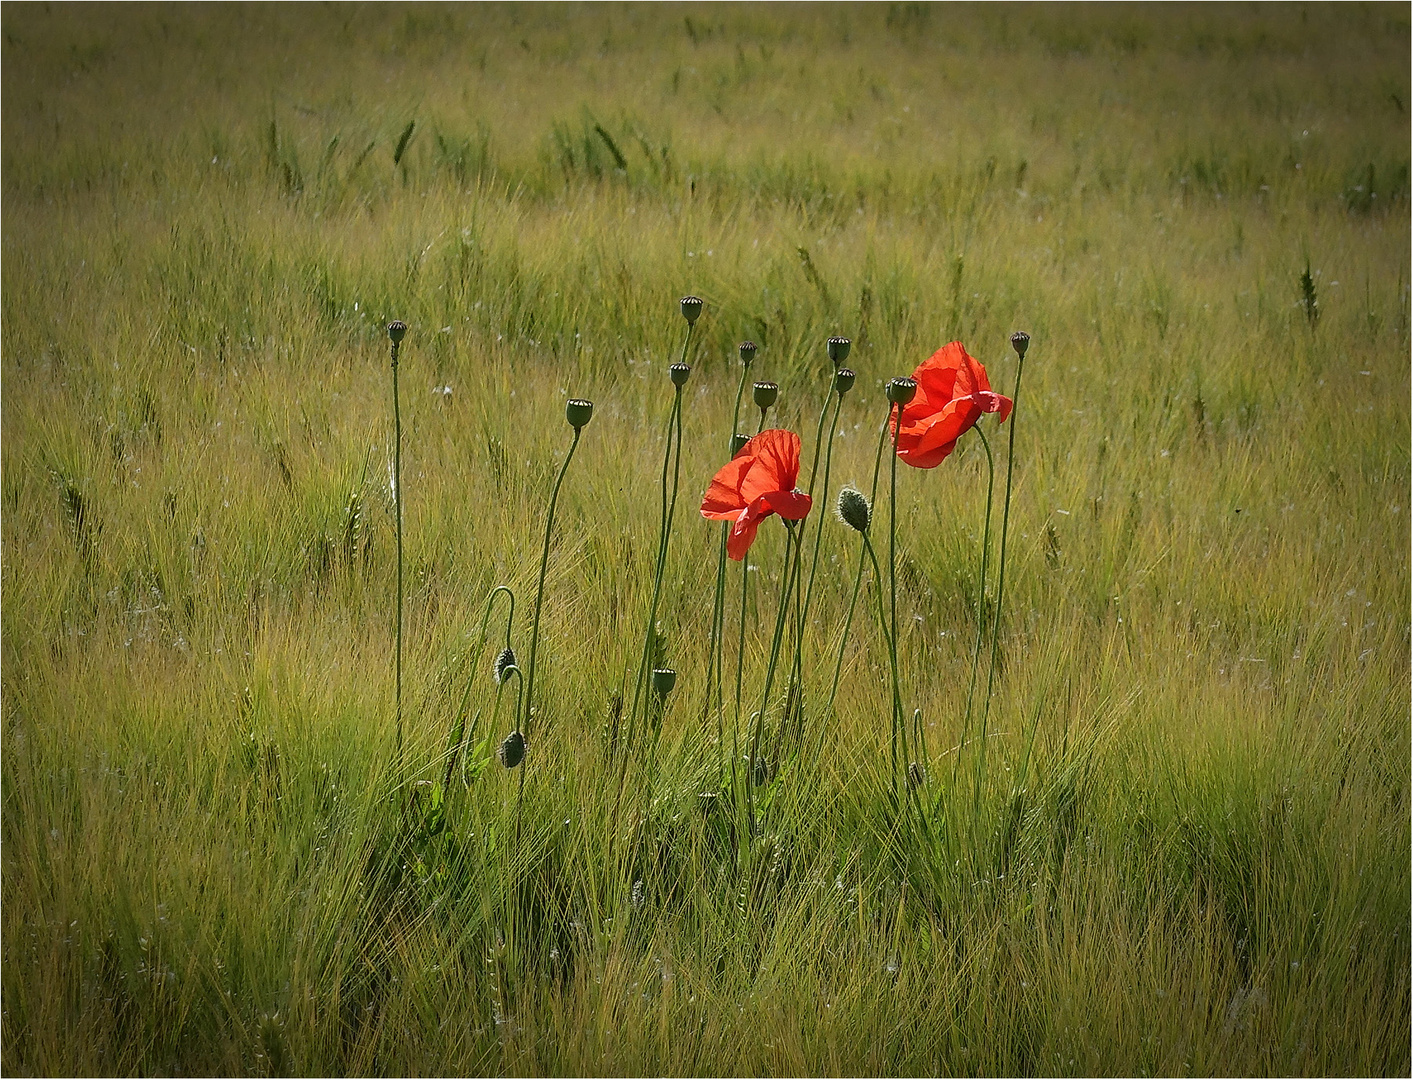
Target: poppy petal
[(743, 535), (790, 505)]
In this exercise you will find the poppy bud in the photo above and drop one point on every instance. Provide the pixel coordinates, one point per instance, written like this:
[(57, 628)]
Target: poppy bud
[(737, 442), (578, 412), (747, 349), (512, 750), (764, 394), (679, 373), (505, 664), (843, 381), (854, 510), (664, 679), (916, 775), (901, 390), (691, 308), (1020, 341), (397, 330), (838, 350)]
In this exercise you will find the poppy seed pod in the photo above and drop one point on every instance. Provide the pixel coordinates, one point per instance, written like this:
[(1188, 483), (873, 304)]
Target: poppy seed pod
[(505, 664), (691, 309), (764, 394), (1020, 341), (838, 350), (843, 381), (664, 679), (902, 389), (737, 442), (578, 412), (679, 373), (747, 349), (511, 751), (397, 330), (854, 510)]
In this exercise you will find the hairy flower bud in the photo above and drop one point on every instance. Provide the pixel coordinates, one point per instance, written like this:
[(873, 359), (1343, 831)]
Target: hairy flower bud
[(838, 350), (764, 394), (578, 412), (1020, 341), (512, 750), (691, 308), (902, 390), (854, 510), (505, 664), (843, 381)]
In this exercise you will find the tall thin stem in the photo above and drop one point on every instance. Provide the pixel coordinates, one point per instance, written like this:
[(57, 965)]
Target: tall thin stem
[(980, 599), (892, 656), (459, 732), (893, 574), (540, 588), (674, 425), (1000, 584), (792, 570), (397, 507)]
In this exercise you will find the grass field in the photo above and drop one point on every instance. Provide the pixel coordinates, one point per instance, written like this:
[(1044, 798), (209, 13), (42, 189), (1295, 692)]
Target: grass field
[(1188, 851)]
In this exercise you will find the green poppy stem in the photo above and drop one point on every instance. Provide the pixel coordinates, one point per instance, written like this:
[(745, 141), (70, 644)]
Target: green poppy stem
[(397, 508), (1000, 586), (980, 600), (540, 588), (792, 570), (459, 734)]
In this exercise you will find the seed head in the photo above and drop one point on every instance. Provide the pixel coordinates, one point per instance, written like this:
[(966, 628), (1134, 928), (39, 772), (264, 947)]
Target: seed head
[(902, 389), (843, 381), (578, 412), (1020, 341), (737, 442), (505, 664), (764, 394), (664, 679), (838, 350), (679, 373), (397, 330), (854, 510), (747, 349), (512, 750), (691, 309)]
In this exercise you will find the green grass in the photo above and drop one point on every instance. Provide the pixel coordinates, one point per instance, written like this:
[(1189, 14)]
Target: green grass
[(1200, 865)]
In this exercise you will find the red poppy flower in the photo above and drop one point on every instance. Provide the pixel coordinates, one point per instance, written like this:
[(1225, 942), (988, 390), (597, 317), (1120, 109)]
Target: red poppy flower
[(757, 482), (952, 394)]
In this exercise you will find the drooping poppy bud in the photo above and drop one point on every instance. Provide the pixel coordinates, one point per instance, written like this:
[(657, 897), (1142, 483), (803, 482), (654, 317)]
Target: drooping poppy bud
[(902, 389), (505, 664), (843, 381), (578, 412), (747, 349), (916, 774), (512, 750), (664, 679), (1020, 341), (397, 330), (679, 373), (764, 394), (838, 350), (854, 510), (691, 309), (737, 442)]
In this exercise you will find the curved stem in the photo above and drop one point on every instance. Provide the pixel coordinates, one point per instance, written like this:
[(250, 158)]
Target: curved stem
[(540, 588), (458, 738), (980, 599), (1000, 585)]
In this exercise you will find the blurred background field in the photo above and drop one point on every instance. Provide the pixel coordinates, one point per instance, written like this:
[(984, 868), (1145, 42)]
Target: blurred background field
[(1192, 853)]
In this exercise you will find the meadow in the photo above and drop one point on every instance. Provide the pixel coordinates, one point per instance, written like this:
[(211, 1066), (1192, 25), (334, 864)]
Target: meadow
[(1187, 849)]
